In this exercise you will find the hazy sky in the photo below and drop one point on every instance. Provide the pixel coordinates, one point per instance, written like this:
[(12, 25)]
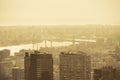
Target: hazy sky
[(39, 12)]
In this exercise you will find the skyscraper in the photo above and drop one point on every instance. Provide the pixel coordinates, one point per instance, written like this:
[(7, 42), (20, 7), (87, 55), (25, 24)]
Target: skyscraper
[(18, 73), (6, 69), (75, 66), (27, 65), (38, 66), (107, 73)]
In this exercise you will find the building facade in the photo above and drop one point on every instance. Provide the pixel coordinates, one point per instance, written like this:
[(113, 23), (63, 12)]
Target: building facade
[(4, 53), (38, 66), (6, 69), (107, 73), (18, 73), (75, 66)]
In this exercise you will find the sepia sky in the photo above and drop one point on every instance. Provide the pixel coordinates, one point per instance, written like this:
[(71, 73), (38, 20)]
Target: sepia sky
[(64, 12)]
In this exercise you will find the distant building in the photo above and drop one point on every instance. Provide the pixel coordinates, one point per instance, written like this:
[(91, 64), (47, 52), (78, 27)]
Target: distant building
[(97, 74), (21, 52), (75, 66), (19, 62), (27, 66), (117, 74), (100, 40), (116, 52), (38, 66), (6, 69), (107, 73), (18, 73), (4, 53), (19, 57)]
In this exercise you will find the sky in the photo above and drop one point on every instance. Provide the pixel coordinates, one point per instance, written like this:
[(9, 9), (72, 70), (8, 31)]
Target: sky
[(60, 12)]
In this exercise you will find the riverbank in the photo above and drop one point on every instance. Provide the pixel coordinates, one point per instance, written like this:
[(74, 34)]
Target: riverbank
[(17, 48)]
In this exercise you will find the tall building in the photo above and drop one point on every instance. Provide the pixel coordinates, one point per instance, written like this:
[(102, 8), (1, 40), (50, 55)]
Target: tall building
[(117, 74), (75, 66), (38, 66), (27, 66), (107, 73), (97, 74), (17, 73), (6, 69)]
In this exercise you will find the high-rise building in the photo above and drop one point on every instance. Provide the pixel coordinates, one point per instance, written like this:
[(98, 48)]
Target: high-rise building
[(107, 73), (97, 74), (38, 66), (18, 73), (117, 74), (6, 69), (27, 65), (75, 66)]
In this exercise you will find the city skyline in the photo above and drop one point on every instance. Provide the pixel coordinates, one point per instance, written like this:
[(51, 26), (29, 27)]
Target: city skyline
[(59, 40)]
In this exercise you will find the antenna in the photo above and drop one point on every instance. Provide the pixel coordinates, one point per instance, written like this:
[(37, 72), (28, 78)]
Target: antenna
[(37, 46)]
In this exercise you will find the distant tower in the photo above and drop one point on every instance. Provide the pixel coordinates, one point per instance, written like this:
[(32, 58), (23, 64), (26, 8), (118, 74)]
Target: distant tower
[(38, 66), (75, 66), (27, 66)]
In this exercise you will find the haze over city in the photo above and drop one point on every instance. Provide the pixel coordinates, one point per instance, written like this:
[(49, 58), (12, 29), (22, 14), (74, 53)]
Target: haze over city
[(60, 12), (59, 40)]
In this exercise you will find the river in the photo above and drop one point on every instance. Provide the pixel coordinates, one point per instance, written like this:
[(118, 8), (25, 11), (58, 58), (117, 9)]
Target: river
[(17, 48)]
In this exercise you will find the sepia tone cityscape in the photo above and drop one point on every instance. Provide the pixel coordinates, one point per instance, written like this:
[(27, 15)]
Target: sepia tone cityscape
[(89, 52), (59, 39)]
